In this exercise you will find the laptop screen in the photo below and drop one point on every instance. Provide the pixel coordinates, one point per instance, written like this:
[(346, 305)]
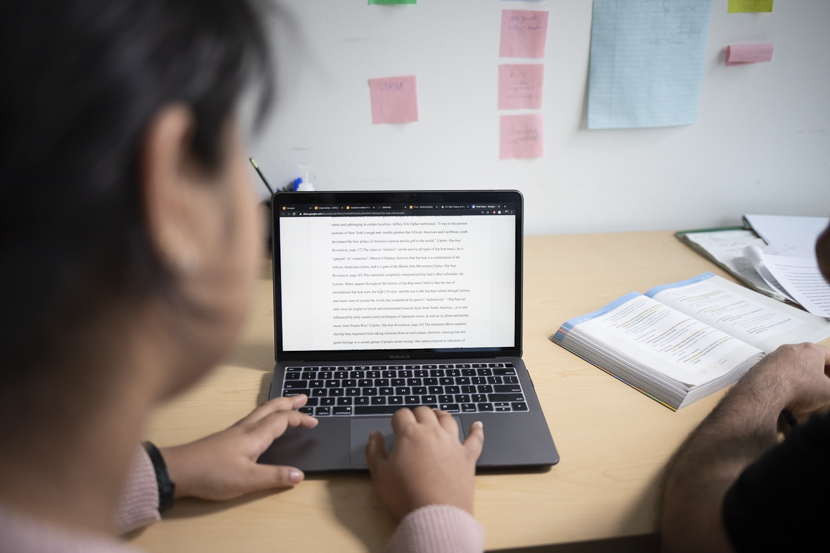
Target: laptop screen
[(436, 271)]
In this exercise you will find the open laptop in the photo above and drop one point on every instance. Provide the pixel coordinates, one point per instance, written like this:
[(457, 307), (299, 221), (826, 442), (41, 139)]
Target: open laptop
[(389, 300)]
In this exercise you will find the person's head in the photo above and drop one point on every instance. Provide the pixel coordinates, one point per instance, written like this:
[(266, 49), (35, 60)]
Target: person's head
[(823, 253), (124, 199)]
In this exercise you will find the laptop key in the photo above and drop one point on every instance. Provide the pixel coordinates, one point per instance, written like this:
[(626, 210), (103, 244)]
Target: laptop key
[(505, 397), (479, 380), (486, 389), (325, 375), (332, 383), (444, 399), (405, 374), (398, 382), (431, 381), (507, 388), (378, 400), (327, 401), (316, 384), (357, 374), (395, 400), (319, 392), (352, 392), (453, 372), (381, 382), (485, 372), (485, 407), (306, 375), (292, 376), (402, 391), (340, 375), (468, 389), (370, 391), (504, 372), (446, 381), (462, 398), (389, 374), (494, 380), (349, 383), (479, 398), (468, 408), (362, 400), (429, 399), (449, 407), (322, 411), (419, 390), (306, 410), (436, 372), (292, 369), (386, 391), (412, 400), (342, 410), (364, 383), (468, 372), (436, 390), (344, 401), (414, 382), (510, 379), (421, 373), (452, 389), (295, 384), (290, 393), (337, 392), (519, 406), (312, 402), (372, 374), (502, 406), (376, 410)]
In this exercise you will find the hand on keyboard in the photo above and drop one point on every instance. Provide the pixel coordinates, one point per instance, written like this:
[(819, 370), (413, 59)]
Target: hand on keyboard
[(223, 465), (427, 465)]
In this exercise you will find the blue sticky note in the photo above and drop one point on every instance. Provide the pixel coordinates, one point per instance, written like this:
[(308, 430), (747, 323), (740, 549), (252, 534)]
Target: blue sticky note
[(647, 61)]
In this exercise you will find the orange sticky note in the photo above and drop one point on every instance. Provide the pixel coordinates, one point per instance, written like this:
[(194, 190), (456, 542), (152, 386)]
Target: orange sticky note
[(520, 86), (741, 54), (521, 136), (523, 33), (394, 100)]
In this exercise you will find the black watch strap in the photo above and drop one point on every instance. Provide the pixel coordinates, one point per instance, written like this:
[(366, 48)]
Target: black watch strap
[(166, 486)]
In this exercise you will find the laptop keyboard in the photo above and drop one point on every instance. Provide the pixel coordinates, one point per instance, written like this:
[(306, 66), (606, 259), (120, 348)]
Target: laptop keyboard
[(383, 389)]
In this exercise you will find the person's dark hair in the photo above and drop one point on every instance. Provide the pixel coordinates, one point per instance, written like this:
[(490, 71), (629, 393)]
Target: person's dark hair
[(81, 80)]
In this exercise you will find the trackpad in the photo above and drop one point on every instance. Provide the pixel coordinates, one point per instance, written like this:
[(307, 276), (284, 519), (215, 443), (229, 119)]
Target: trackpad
[(361, 427)]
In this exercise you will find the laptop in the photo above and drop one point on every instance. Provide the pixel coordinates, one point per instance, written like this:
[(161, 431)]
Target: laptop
[(391, 300)]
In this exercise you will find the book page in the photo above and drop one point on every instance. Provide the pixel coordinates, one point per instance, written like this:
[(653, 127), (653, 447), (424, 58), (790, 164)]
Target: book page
[(665, 339), (740, 312)]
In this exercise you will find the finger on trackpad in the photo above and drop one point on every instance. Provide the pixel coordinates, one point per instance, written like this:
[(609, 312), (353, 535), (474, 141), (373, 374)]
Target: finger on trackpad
[(360, 429)]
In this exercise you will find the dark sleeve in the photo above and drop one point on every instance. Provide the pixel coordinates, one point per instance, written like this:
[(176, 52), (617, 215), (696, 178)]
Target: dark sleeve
[(781, 502)]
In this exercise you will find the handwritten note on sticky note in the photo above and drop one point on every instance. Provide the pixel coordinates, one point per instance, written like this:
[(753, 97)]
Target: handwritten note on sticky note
[(745, 6), (523, 33), (520, 86), (521, 136), (740, 54), (646, 66), (392, 2), (394, 100)]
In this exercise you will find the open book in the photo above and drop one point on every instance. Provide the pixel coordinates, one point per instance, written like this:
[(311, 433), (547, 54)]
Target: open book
[(683, 341)]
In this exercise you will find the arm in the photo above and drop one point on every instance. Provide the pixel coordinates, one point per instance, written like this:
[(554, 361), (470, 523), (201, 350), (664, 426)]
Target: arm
[(220, 466), (428, 481), (740, 429)]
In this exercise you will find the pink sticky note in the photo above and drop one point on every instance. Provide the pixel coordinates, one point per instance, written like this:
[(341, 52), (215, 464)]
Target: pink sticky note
[(520, 86), (748, 53), (521, 136), (394, 100), (523, 33)]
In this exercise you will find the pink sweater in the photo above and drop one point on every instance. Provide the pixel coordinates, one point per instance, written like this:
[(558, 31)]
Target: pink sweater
[(435, 529)]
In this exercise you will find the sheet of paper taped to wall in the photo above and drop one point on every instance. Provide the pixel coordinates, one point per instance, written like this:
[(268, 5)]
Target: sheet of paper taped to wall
[(522, 136), (647, 60), (394, 100), (741, 54), (523, 33)]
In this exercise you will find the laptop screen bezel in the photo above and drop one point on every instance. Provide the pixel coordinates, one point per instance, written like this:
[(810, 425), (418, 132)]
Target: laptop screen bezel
[(281, 199)]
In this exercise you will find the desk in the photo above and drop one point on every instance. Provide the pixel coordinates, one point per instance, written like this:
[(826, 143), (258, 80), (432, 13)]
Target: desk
[(613, 440)]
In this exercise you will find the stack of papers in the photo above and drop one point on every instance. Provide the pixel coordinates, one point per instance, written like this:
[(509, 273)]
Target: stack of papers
[(773, 255)]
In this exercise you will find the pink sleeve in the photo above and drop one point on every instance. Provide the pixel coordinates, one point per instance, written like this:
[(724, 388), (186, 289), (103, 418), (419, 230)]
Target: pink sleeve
[(437, 529), (140, 503)]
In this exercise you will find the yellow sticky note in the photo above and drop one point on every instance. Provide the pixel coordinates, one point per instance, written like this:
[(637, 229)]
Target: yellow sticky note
[(744, 6)]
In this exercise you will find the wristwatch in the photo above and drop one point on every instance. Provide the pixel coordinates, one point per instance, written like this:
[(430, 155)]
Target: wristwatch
[(166, 486)]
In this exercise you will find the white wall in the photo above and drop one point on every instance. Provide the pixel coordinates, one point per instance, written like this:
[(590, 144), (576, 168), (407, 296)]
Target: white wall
[(761, 143)]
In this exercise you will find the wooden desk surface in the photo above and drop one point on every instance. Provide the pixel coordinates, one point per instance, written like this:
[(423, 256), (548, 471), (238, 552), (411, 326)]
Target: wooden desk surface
[(613, 440)]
